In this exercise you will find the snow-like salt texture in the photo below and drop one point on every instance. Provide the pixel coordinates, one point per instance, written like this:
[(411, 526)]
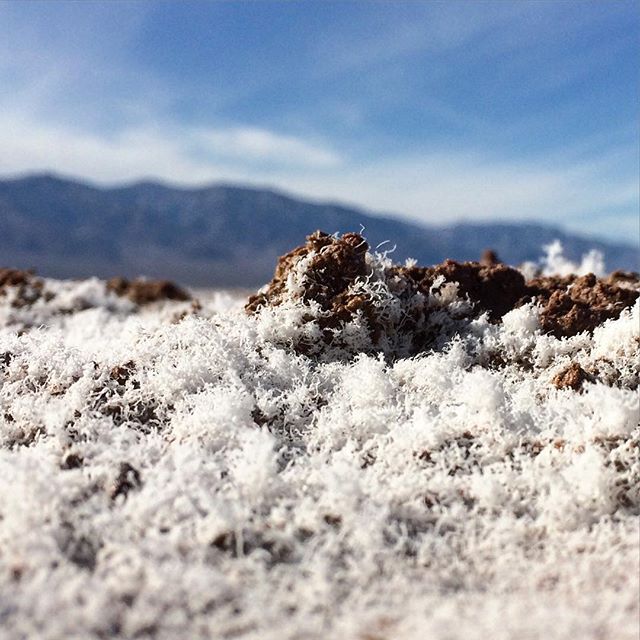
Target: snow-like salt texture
[(554, 263), (171, 474)]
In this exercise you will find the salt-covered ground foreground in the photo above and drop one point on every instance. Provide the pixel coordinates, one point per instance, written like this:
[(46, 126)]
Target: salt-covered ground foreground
[(183, 470)]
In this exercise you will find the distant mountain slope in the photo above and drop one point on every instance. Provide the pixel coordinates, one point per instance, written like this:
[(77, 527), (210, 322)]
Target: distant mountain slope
[(224, 235)]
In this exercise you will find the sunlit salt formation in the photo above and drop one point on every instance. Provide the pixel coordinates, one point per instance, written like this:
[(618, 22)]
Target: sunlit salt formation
[(373, 451)]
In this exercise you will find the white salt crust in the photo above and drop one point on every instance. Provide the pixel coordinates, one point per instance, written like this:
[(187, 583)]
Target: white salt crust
[(283, 497)]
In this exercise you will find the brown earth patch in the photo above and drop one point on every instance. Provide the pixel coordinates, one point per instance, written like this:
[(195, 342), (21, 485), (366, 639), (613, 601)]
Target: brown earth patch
[(333, 267), (569, 305), (572, 377), (573, 304), (489, 257), (28, 288), (14, 277), (620, 277), (146, 291), (494, 288)]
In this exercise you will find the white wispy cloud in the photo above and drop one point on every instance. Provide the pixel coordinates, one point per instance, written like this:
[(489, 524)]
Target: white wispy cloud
[(253, 143), (172, 153), (37, 146)]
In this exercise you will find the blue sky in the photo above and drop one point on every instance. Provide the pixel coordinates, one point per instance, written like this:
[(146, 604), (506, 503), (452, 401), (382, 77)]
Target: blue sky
[(436, 111)]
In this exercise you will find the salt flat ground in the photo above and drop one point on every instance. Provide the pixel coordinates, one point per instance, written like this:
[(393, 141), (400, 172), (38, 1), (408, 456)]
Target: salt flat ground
[(178, 471)]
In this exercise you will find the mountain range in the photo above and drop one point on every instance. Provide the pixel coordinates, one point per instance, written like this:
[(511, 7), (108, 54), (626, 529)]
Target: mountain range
[(227, 235)]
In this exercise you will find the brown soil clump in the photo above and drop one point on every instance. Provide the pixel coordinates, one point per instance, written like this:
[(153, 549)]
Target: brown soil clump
[(338, 262), (573, 304), (572, 377), (494, 288), (28, 288), (146, 291), (334, 270), (14, 277), (489, 258), (335, 264), (622, 278), (121, 373)]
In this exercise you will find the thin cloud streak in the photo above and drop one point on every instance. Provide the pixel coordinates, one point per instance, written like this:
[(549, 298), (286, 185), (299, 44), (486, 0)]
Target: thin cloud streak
[(252, 143), (177, 154)]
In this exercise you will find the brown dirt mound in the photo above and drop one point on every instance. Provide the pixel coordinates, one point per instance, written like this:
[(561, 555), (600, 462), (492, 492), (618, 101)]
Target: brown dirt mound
[(14, 277), (146, 291), (492, 287), (573, 377), (28, 288), (574, 304), (569, 305), (489, 257), (335, 264)]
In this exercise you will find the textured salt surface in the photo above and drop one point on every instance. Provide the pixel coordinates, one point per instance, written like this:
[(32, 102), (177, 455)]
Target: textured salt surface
[(183, 471)]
